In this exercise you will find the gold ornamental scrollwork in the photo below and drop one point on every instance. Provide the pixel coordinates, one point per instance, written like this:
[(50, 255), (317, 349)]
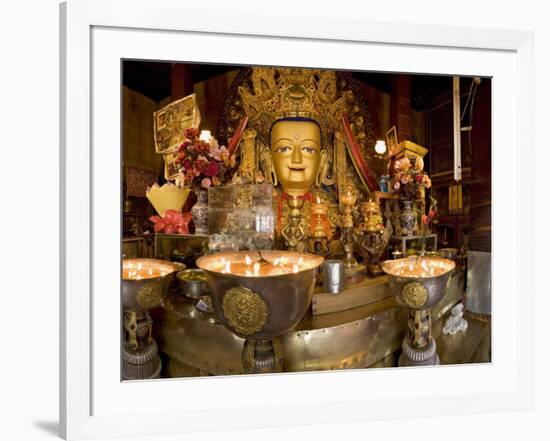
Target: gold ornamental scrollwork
[(149, 295), (414, 294), (245, 310)]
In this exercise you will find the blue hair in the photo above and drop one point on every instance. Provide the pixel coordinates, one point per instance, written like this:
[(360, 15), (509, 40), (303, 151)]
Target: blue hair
[(297, 118)]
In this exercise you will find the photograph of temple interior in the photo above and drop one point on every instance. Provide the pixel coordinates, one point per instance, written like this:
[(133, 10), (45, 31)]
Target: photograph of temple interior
[(279, 219)]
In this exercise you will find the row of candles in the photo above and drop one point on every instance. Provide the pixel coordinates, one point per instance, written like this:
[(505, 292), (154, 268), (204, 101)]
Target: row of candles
[(140, 271), (281, 265), (421, 268)]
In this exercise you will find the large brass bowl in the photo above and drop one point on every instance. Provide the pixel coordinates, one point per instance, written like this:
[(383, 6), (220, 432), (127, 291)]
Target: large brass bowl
[(145, 293), (414, 286), (260, 308)]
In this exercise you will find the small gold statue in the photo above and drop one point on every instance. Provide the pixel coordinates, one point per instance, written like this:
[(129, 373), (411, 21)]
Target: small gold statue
[(293, 233)]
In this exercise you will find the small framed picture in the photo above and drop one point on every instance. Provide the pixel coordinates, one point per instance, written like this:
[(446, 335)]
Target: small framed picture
[(391, 141), (171, 168)]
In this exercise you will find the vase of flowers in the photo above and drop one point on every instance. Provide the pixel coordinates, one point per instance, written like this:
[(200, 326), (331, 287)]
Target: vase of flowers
[(409, 181), (203, 164)]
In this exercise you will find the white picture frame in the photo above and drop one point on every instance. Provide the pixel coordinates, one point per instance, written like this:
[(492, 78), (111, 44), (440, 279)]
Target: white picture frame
[(94, 403)]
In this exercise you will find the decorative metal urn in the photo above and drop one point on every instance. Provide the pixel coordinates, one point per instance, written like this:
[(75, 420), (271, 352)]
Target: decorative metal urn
[(144, 285), (375, 237), (260, 297), (408, 219), (199, 212), (419, 283)]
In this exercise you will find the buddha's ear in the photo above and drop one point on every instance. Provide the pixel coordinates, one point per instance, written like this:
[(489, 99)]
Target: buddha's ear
[(322, 167)]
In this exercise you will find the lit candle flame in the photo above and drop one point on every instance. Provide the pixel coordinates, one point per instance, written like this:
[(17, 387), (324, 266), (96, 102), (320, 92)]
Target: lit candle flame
[(257, 269), (227, 269), (295, 268), (248, 260)]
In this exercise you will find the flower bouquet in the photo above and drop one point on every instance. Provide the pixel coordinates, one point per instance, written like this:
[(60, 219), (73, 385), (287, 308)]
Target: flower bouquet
[(409, 179), (202, 163)]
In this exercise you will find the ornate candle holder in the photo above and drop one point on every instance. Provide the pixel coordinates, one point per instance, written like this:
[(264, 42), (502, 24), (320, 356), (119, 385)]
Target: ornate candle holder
[(144, 286), (347, 238), (259, 298), (293, 232), (419, 283), (319, 245), (375, 236)]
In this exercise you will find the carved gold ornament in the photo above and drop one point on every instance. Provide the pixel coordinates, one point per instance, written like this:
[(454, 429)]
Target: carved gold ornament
[(149, 296), (245, 310), (278, 93), (414, 294)]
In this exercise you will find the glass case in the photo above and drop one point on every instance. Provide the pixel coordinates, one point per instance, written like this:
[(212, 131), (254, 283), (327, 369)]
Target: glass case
[(241, 217)]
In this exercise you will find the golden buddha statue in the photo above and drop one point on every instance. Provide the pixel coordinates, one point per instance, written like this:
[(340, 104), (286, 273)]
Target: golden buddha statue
[(297, 155), (296, 119)]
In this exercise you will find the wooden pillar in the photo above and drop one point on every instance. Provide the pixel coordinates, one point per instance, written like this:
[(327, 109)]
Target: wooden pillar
[(181, 80), (400, 107)]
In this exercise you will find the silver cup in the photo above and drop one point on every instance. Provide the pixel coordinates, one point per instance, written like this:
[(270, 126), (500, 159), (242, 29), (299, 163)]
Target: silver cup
[(333, 276)]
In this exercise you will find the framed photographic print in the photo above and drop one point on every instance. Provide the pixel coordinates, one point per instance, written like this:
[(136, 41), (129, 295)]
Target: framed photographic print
[(170, 167), (171, 121), (391, 140), (146, 352)]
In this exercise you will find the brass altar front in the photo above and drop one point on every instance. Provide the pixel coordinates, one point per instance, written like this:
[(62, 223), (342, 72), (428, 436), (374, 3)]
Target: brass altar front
[(362, 337)]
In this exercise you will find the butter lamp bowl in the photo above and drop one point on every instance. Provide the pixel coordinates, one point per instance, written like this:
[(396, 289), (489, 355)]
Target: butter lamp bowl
[(192, 282), (145, 283), (260, 297), (418, 282)]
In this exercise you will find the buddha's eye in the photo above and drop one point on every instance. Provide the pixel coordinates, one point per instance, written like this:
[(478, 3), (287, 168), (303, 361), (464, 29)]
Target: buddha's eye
[(309, 150), (283, 149)]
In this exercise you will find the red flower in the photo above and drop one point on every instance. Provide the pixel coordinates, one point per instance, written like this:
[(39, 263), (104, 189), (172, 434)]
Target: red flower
[(187, 164), (184, 146), (432, 213), (212, 169), (200, 165), (202, 147), (191, 133), (418, 178), (425, 219)]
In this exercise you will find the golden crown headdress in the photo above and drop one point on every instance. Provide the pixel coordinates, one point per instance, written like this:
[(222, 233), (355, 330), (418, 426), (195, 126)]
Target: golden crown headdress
[(279, 93)]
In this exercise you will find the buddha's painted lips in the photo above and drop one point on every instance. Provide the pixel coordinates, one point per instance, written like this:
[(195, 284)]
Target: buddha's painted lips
[(297, 168)]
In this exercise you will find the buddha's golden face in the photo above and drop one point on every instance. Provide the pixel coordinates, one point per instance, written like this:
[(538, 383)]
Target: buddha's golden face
[(297, 155)]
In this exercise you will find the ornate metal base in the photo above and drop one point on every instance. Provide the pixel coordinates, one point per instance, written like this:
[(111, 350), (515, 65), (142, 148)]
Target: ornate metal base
[(141, 364), (355, 274), (426, 356), (374, 269), (263, 356)]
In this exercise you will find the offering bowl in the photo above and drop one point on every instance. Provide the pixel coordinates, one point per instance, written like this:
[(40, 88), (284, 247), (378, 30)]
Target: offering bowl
[(144, 285), (418, 283), (260, 297)]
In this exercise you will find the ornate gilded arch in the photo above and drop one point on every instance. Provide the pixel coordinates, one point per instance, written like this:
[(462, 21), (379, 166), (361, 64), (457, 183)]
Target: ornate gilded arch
[(346, 90)]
